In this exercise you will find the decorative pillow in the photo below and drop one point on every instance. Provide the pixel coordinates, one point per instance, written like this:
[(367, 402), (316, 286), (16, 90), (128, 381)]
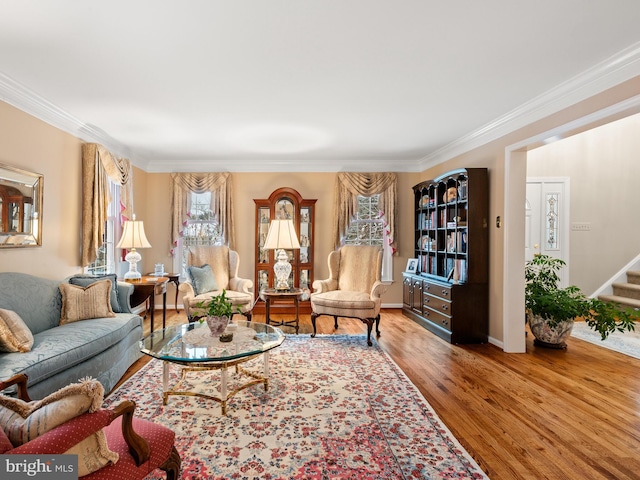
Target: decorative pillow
[(15, 336), (203, 279), (86, 280), (83, 303), (23, 421)]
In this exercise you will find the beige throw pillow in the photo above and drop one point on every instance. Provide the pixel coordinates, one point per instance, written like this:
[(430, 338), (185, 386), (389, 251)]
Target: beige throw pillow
[(15, 336), (23, 421), (83, 303)]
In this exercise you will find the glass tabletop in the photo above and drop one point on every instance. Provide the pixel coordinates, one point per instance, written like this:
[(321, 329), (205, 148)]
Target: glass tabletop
[(193, 343)]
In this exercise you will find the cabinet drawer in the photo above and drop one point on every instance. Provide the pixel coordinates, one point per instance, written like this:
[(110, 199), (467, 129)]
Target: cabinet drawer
[(442, 291), (437, 318), (436, 303)]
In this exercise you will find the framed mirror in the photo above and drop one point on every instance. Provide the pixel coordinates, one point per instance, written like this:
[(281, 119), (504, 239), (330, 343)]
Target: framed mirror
[(20, 207)]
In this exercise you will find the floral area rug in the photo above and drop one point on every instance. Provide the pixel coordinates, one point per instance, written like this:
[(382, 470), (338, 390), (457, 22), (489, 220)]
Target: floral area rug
[(625, 342), (334, 409)]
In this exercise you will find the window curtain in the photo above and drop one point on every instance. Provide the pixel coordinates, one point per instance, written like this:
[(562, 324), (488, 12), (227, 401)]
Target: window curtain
[(349, 186), (219, 184), (98, 167)]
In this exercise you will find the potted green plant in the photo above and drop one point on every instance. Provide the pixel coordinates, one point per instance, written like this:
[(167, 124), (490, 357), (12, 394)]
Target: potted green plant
[(217, 312), (551, 310)]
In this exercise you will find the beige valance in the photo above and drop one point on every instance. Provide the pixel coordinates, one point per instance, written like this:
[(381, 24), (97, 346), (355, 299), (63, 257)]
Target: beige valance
[(219, 184), (349, 186), (99, 167)]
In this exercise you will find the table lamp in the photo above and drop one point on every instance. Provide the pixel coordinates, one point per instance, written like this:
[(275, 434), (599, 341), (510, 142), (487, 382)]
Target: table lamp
[(133, 237), (281, 236)]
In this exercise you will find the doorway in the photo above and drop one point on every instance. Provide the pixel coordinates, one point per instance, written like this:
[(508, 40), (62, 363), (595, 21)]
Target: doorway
[(547, 220)]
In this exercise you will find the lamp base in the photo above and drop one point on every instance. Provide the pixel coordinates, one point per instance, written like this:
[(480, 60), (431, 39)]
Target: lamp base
[(282, 269), (133, 258)]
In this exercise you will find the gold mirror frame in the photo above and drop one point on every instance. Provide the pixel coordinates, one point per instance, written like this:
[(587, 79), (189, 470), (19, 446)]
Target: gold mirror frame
[(20, 207)]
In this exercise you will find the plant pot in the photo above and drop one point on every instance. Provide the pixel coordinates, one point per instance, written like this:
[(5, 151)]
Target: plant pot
[(548, 336), (217, 325)]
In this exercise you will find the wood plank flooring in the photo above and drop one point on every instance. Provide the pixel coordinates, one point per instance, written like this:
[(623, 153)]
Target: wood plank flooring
[(544, 414)]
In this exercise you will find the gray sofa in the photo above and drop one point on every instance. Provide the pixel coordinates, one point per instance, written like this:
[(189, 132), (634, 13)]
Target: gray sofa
[(102, 348)]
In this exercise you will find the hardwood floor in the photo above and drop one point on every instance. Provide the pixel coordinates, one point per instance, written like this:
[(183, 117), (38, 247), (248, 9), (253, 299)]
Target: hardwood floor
[(544, 414)]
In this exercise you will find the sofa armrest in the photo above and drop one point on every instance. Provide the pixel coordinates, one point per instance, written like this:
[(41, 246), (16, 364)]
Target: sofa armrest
[(125, 290), (238, 284)]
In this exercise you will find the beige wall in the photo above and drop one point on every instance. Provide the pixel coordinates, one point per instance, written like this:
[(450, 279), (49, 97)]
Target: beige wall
[(30, 144), (603, 166)]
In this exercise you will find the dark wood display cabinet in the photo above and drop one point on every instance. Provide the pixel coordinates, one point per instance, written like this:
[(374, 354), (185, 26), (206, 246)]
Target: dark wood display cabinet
[(285, 203), (448, 294)]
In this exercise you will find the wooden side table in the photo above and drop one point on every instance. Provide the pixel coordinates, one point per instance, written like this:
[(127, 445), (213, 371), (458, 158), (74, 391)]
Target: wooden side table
[(270, 295), (173, 278), (148, 287)]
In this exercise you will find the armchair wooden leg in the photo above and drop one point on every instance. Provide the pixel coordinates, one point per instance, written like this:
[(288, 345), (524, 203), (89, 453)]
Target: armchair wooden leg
[(369, 322), (378, 325), (172, 465), (335, 322), (314, 315)]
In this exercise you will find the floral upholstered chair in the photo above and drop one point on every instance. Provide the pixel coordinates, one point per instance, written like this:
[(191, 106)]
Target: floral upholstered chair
[(353, 288), (212, 269), (110, 442)]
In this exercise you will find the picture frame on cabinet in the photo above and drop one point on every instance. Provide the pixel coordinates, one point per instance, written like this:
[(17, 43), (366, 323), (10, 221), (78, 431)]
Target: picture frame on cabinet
[(412, 265)]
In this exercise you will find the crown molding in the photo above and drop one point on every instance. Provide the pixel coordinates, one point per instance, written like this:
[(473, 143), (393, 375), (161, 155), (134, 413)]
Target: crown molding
[(613, 71), (28, 101)]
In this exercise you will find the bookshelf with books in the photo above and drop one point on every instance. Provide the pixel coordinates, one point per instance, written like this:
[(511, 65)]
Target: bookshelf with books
[(448, 294)]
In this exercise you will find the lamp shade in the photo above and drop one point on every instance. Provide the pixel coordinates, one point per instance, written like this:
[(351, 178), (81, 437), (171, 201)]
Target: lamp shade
[(133, 235), (281, 234)]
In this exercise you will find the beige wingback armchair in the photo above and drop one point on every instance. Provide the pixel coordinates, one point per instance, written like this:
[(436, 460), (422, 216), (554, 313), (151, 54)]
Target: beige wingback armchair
[(224, 262), (353, 288)]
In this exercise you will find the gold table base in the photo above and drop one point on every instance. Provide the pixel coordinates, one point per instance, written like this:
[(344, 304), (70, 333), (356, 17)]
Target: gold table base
[(223, 367)]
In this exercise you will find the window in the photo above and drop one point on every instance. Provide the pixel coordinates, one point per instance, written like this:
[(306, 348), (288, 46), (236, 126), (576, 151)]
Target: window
[(368, 229), (201, 228), (106, 260)]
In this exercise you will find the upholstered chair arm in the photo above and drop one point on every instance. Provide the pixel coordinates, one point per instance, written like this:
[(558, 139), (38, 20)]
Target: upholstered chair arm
[(21, 381), (238, 284), (188, 297), (327, 285), (187, 289), (61, 438), (378, 289)]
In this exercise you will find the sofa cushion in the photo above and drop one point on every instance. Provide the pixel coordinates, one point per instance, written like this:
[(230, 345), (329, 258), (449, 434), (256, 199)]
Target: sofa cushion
[(24, 421), (37, 300), (60, 348), (15, 336), (202, 279), (82, 303), (86, 280)]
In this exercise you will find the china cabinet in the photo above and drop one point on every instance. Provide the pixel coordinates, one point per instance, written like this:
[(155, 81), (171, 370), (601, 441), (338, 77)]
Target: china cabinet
[(285, 203)]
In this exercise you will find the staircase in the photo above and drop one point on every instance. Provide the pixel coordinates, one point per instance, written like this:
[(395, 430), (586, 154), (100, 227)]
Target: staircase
[(626, 294)]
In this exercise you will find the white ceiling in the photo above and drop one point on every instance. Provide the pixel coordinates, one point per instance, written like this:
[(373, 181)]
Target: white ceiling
[(304, 85)]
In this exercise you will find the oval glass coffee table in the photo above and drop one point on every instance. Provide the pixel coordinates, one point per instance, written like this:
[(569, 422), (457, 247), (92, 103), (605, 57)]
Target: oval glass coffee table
[(192, 346)]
